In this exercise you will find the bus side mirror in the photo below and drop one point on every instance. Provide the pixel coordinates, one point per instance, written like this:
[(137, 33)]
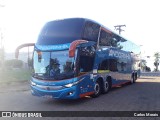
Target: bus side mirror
[(73, 46), (22, 46)]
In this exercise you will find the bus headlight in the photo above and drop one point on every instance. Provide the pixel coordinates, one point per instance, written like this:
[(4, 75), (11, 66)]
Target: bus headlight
[(33, 84), (69, 85), (74, 83)]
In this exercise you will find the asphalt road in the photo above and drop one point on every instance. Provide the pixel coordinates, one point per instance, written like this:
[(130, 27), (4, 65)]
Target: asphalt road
[(150, 74), (144, 95)]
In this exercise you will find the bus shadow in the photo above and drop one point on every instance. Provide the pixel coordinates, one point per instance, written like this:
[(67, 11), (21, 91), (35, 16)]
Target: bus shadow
[(121, 86), (69, 102), (72, 102), (139, 84), (141, 93)]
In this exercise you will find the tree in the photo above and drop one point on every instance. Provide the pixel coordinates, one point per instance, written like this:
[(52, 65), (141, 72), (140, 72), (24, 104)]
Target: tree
[(14, 63), (156, 62), (2, 55), (148, 69), (143, 65), (30, 62)]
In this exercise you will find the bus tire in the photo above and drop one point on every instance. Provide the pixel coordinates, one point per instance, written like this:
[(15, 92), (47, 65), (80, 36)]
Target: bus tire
[(106, 86), (97, 89)]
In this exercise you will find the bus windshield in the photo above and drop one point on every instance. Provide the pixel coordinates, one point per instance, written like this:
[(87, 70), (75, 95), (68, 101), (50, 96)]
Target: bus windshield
[(53, 65), (61, 32)]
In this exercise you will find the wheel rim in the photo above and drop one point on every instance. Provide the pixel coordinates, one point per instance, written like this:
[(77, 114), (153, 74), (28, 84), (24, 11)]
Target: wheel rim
[(106, 85), (97, 88)]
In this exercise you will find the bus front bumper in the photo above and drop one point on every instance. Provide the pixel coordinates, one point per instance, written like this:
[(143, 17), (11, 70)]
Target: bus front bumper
[(65, 93)]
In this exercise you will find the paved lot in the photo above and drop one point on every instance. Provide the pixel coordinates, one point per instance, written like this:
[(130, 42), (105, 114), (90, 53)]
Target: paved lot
[(150, 74), (141, 96)]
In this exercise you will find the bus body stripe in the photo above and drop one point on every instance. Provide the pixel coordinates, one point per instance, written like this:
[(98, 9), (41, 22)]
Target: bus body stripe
[(86, 94)]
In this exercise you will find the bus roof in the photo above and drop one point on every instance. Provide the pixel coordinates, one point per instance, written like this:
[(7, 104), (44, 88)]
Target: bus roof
[(67, 30)]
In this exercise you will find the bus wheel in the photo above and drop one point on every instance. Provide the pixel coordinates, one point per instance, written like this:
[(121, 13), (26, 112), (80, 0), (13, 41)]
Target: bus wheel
[(97, 89), (106, 87)]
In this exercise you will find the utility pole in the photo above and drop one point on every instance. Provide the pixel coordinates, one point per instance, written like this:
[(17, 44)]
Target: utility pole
[(2, 55), (118, 27)]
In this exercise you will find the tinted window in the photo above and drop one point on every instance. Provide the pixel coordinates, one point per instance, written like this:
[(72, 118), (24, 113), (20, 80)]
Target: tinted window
[(104, 65), (86, 63), (105, 38), (86, 58), (60, 32), (108, 64), (123, 44), (53, 65), (91, 31), (121, 66), (110, 39), (130, 47), (113, 65)]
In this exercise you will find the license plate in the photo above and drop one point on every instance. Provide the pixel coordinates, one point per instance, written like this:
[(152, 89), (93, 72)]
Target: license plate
[(48, 96)]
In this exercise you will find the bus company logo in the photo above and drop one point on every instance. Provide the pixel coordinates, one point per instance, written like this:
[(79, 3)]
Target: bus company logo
[(119, 54), (59, 47), (6, 114), (54, 47)]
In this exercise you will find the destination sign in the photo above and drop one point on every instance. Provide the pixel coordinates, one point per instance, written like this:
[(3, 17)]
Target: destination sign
[(53, 47)]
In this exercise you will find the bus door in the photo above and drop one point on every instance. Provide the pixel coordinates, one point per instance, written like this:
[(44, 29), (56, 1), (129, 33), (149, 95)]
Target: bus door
[(85, 62)]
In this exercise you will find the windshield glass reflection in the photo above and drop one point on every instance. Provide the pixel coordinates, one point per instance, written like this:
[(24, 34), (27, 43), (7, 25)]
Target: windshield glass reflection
[(53, 65)]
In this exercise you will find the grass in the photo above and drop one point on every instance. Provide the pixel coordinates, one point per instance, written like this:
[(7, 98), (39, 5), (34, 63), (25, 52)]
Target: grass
[(14, 75)]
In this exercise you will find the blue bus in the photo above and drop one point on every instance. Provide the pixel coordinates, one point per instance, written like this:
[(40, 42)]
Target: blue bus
[(79, 57)]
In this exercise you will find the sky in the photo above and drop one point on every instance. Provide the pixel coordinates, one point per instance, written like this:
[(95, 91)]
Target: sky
[(22, 20)]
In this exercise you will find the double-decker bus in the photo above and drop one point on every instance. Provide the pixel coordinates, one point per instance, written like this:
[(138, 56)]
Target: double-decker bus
[(79, 57)]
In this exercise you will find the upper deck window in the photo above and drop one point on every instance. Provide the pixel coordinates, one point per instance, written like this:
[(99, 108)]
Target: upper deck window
[(105, 38), (91, 31), (61, 32), (108, 38)]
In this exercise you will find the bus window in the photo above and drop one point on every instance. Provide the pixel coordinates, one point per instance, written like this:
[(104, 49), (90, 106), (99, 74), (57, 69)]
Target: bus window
[(86, 58), (110, 39), (61, 32), (105, 38), (86, 63), (104, 65), (130, 47), (113, 65), (115, 42), (91, 31), (121, 66)]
